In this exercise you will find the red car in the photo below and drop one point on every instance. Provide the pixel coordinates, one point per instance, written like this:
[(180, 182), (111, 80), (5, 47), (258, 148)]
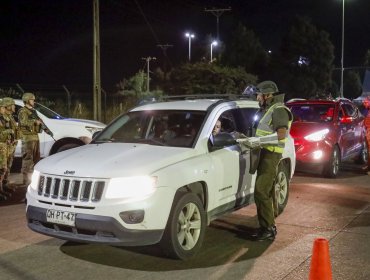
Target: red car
[(326, 133)]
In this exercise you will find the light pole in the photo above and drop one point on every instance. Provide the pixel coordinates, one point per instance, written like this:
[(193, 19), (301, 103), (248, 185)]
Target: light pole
[(342, 59), (190, 36), (214, 43)]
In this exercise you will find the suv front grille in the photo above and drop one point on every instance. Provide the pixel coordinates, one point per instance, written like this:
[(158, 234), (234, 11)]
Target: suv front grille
[(70, 189)]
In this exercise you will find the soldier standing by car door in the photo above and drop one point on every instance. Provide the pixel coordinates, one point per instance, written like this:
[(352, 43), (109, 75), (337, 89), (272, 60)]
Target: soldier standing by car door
[(9, 111), (271, 134), (30, 128)]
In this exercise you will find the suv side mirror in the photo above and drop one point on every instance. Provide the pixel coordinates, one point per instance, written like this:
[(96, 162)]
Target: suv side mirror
[(223, 139)]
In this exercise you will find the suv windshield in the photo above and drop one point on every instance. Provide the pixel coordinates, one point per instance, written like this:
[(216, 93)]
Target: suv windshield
[(166, 128), (312, 112)]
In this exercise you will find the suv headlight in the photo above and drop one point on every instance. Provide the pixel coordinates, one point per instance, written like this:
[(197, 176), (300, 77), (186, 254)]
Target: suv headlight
[(317, 136), (93, 129), (35, 180), (135, 186)]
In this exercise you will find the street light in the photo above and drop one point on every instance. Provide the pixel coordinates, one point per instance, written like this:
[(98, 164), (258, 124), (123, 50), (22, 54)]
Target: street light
[(214, 43), (190, 36), (342, 59)]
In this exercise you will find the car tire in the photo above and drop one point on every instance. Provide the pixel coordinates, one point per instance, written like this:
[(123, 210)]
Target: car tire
[(185, 228), (331, 169), (363, 157), (281, 189)]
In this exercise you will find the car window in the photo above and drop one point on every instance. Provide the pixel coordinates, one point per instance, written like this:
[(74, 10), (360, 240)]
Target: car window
[(169, 128), (47, 112), (312, 112), (349, 110), (42, 109), (238, 120)]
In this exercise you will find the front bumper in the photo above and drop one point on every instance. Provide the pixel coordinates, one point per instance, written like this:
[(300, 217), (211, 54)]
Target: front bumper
[(316, 153), (91, 229)]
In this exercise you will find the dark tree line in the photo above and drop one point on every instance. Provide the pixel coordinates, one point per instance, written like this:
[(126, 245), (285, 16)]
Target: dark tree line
[(303, 67)]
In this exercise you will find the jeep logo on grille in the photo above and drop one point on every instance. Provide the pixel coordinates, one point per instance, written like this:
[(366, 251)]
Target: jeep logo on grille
[(68, 172)]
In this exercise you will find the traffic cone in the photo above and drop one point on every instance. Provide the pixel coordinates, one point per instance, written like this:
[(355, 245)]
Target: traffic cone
[(320, 262)]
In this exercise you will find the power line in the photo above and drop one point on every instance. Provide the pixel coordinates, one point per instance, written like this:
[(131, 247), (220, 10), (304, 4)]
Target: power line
[(147, 22)]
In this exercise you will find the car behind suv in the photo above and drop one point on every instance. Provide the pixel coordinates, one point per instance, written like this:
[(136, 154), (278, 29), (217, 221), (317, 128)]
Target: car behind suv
[(153, 176), (68, 133), (327, 133)]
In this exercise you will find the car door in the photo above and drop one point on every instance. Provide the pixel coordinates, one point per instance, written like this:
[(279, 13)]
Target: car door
[(245, 119), (347, 130), (235, 185), (358, 128), (225, 165)]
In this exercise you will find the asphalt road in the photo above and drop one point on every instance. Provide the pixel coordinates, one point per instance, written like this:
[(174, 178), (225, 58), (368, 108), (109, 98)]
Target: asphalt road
[(336, 209)]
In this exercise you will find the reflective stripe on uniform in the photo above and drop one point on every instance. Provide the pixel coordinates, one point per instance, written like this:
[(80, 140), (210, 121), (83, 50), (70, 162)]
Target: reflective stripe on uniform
[(264, 128)]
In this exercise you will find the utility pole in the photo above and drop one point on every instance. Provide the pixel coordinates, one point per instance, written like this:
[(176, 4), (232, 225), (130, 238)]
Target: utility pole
[(148, 59), (342, 59), (97, 82), (217, 13), (165, 57)]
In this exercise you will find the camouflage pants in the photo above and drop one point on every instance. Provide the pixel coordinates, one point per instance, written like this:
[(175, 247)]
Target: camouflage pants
[(30, 155), (3, 156), (11, 151)]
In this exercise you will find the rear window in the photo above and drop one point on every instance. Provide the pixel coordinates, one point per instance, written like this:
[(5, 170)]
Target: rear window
[(312, 112)]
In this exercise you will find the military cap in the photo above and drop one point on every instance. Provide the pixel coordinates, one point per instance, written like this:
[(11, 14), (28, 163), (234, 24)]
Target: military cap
[(267, 87)]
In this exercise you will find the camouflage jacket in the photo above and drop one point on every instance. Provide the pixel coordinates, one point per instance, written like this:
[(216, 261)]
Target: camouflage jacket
[(27, 124), (14, 126), (6, 132)]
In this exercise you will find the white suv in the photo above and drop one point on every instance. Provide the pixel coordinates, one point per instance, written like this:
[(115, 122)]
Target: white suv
[(153, 176), (68, 133)]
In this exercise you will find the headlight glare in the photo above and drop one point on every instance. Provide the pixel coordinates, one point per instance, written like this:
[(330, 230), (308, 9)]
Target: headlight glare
[(35, 180), (317, 136), (128, 187)]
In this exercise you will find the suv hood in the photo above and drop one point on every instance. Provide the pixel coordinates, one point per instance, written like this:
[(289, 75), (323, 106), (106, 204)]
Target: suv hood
[(302, 129), (87, 122), (103, 160)]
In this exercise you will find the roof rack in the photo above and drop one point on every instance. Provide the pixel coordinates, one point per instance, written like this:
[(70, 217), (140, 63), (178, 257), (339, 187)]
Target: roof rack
[(204, 96)]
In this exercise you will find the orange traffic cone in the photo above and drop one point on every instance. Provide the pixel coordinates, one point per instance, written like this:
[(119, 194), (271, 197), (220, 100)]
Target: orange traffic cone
[(320, 262)]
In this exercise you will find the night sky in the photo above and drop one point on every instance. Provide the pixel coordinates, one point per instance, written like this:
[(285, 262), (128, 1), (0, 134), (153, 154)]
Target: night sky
[(49, 42)]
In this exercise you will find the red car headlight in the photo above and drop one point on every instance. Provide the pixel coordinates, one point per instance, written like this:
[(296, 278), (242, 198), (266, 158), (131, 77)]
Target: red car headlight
[(317, 136)]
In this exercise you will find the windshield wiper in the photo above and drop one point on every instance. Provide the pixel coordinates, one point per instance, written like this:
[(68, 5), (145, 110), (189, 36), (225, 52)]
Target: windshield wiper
[(104, 140), (151, 140)]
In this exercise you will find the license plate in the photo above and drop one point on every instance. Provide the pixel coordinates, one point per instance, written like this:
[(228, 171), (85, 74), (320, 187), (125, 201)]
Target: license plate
[(60, 217)]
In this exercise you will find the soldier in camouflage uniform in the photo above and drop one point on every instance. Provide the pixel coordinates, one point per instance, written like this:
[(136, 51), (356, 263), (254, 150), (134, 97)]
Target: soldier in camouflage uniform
[(30, 128), (9, 111), (6, 133)]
